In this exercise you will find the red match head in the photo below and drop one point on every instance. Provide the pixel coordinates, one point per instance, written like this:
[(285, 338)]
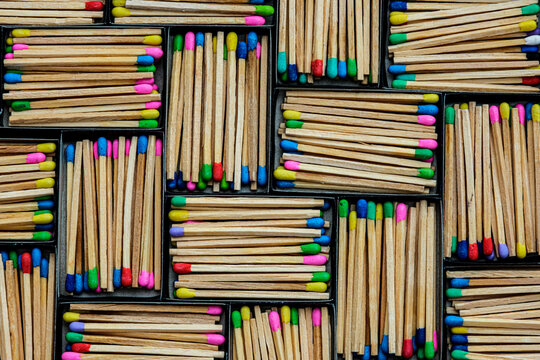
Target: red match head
[(182, 268)]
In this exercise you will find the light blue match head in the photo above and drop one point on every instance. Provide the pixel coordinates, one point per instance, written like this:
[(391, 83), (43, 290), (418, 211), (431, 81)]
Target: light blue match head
[(102, 146), (459, 283), (288, 146), (322, 240), (252, 39), (398, 6), (78, 283), (361, 208), (428, 109), (282, 184), (342, 69), (145, 60), (117, 278), (241, 50), (302, 79), (503, 251), (199, 39), (70, 153), (36, 257), (528, 111), (142, 144), (76, 326), (332, 68), (462, 250), (397, 69), (12, 78), (315, 223), (282, 62), (262, 177), (453, 321), (459, 339), (245, 175)]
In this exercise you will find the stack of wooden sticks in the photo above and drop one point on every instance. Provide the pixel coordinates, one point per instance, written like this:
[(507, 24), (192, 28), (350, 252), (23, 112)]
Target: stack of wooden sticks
[(300, 333), (115, 238), (493, 314), (217, 122), (27, 305), (332, 38), (27, 173), (83, 77), (250, 248), (492, 181), (389, 261), (191, 12), (358, 141), (34, 12), (136, 331), (487, 45)]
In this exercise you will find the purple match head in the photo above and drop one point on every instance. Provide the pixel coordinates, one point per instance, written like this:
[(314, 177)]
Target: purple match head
[(177, 231), (503, 251), (77, 326)]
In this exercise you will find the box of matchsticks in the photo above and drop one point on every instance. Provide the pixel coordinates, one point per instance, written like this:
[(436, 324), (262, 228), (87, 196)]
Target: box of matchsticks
[(129, 330), (222, 146), (111, 211), (282, 330), (392, 248), (493, 162), (357, 141), (28, 187), (251, 247), (84, 77)]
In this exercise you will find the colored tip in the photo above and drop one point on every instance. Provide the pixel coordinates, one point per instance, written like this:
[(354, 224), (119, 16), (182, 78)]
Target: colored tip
[(254, 20), (462, 250), (232, 41), (73, 337), (521, 113), (70, 283), (401, 212), (317, 67), (217, 171), (182, 268), (71, 317), (214, 310), (44, 268), (407, 350), (284, 175), (126, 277), (420, 337), (314, 260), (275, 323), (71, 356), (316, 316), (185, 293), (285, 314), (245, 313), (473, 251), (264, 10), (521, 250), (236, 318), (316, 287), (36, 257), (351, 67), (189, 43), (343, 208), (252, 41), (398, 19), (215, 339), (77, 327), (178, 44), (388, 209)]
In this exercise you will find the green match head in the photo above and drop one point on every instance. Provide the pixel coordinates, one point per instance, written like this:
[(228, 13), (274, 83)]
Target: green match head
[(151, 68), (426, 173), (423, 154), (311, 249), (148, 124), (9, 49), (454, 244), (206, 172), (178, 43), (398, 38), (351, 67), (41, 236), (73, 337), (178, 201), (388, 209), (294, 124), (321, 276), (343, 208), (93, 279), (13, 257), (460, 355), (450, 115), (453, 293), (294, 316), (371, 210), (264, 10), (20, 105), (429, 350), (236, 319)]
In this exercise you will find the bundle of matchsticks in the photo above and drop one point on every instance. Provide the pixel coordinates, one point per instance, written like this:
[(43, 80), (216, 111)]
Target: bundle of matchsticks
[(335, 39), (191, 12), (27, 305), (358, 141), (493, 314), (486, 46), (113, 202), (492, 181), (136, 331), (300, 333), (34, 12), (250, 248), (218, 110), (387, 280), (26, 191), (84, 77)]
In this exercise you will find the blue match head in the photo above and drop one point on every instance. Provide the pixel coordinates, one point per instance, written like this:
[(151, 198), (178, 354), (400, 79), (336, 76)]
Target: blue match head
[(529, 49), (241, 50), (459, 283), (142, 144), (79, 283), (342, 69), (302, 79), (331, 68), (171, 184), (5, 258), (199, 39), (528, 111), (414, 347), (86, 287), (288, 146), (145, 60), (76, 326), (70, 283), (44, 227), (245, 175), (284, 184), (384, 344), (453, 321), (117, 278), (420, 337), (180, 184), (44, 268), (397, 68), (322, 240), (462, 250), (381, 355), (46, 205), (367, 352), (315, 223), (19, 266), (429, 109), (68, 347), (326, 205), (258, 2), (459, 339), (323, 231), (102, 146), (503, 251), (36, 257), (361, 208), (70, 153), (262, 177), (252, 41), (293, 72), (398, 6), (460, 347), (12, 78), (491, 256)]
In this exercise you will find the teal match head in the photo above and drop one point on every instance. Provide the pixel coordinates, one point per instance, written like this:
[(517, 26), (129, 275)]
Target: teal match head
[(332, 68), (351, 67), (343, 208), (236, 319), (398, 38), (178, 201), (264, 10), (371, 210), (399, 84), (426, 173), (423, 154), (282, 62), (460, 355), (450, 115), (453, 293), (406, 77), (530, 10), (388, 209), (73, 337)]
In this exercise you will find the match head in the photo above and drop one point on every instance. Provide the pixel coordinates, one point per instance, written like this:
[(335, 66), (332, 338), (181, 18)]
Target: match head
[(262, 177), (529, 25), (252, 41), (285, 184), (398, 19), (264, 10), (314, 260), (93, 279), (521, 113), (521, 250), (80, 347), (285, 175), (384, 344), (12, 78), (343, 208), (460, 355), (424, 154), (41, 236), (449, 115), (214, 310), (152, 40), (14, 258), (317, 67), (109, 148), (189, 43), (145, 60), (217, 171), (185, 293), (407, 350), (462, 250), (254, 20), (101, 146), (44, 268), (362, 208), (315, 223), (34, 158), (352, 220), (215, 339), (236, 318), (120, 11), (396, 69), (332, 68), (316, 316), (398, 6), (388, 209), (312, 248), (71, 317), (285, 314), (398, 38), (503, 251), (46, 148), (20, 33), (245, 313), (142, 144), (178, 43), (68, 355), (144, 277), (316, 287), (292, 72), (232, 41), (20, 105), (494, 115), (367, 352), (459, 339), (420, 337), (322, 240), (428, 109), (36, 257), (401, 212), (77, 327), (292, 165), (275, 323), (351, 67), (93, 6), (143, 88), (73, 337), (504, 110), (182, 268), (459, 283)]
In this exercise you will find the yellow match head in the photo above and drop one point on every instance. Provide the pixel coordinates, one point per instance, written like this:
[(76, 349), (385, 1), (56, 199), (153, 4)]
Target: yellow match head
[(398, 19), (42, 219), (9, 41), (431, 98), (352, 220), (214, 44), (149, 114), (46, 183), (504, 110), (71, 316), (185, 293), (119, 2), (19, 33), (232, 41), (535, 110), (285, 314), (291, 115), (521, 250), (178, 215), (461, 330), (464, 106), (282, 174), (47, 166), (152, 40), (120, 12), (46, 148), (316, 287), (379, 212), (528, 25), (245, 313)]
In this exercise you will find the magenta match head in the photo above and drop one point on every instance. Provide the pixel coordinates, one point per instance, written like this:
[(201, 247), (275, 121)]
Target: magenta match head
[(316, 316), (494, 114), (152, 105), (254, 20), (115, 149), (258, 50), (109, 148), (426, 119), (9, 56), (143, 278), (69, 355), (145, 81), (96, 152), (151, 281), (214, 310), (155, 87), (521, 112), (315, 260), (215, 339), (191, 186), (154, 52), (275, 323), (143, 88), (17, 47), (34, 158), (189, 41), (128, 146), (427, 144), (292, 165), (435, 342), (159, 147), (401, 212)]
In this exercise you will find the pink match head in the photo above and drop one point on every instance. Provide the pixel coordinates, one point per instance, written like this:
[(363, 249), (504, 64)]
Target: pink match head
[(292, 165), (143, 88), (151, 281), (191, 186), (159, 147), (69, 355), (155, 87), (9, 56), (258, 50), (96, 153), (316, 316), (275, 323), (153, 105), (430, 160), (494, 114), (143, 278), (254, 20), (426, 119), (109, 148), (193, 221), (427, 144), (128, 146), (214, 310), (145, 81), (401, 212), (189, 41), (17, 47), (315, 260), (154, 52), (115, 148), (33, 158), (215, 339), (435, 342), (521, 112)]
